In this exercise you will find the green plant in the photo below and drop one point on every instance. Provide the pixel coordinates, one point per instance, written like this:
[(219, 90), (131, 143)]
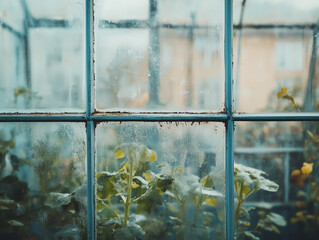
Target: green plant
[(306, 176), (134, 202), (247, 181), (60, 201)]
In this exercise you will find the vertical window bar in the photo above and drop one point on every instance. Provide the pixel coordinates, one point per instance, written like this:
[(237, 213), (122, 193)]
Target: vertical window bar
[(90, 179), (154, 55), (89, 57), (90, 136), (26, 24), (229, 123)]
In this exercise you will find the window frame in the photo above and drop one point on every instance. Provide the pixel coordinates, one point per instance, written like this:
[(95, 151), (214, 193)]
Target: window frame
[(91, 118)]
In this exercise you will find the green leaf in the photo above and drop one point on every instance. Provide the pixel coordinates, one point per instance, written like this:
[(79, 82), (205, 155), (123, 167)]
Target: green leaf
[(250, 236), (209, 192), (267, 185), (247, 175), (56, 200), (277, 219), (106, 185), (6, 204), (207, 181), (100, 204), (140, 180), (129, 232), (15, 223)]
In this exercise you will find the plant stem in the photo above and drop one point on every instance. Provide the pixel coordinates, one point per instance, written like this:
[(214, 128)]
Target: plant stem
[(184, 217), (240, 202), (128, 202)]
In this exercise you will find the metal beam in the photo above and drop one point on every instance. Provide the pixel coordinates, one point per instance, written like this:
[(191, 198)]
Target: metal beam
[(50, 23), (162, 118), (90, 125), (145, 24), (154, 56), (267, 150), (277, 117), (274, 26), (11, 29), (42, 117), (27, 14), (229, 164), (156, 117)]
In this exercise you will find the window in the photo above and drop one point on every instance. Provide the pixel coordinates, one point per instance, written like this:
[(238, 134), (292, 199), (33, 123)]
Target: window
[(125, 119)]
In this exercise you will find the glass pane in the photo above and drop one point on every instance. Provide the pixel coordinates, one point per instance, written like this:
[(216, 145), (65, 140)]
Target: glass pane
[(122, 9), (55, 9), (11, 14), (273, 71), (42, 181), (277, 11), (160, 181), (276, 180), (205, 12), (42, 67), (169, 61), (274, 56)]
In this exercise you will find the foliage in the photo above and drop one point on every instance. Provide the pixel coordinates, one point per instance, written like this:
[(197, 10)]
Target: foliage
[(305, 178), (40, 214), (137, 203), (138, 200), (247, 181)]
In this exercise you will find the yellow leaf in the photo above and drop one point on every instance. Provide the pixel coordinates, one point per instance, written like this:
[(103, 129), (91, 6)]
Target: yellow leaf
[(160, 192), (246, 190), (135, 185), (294, 220), (276, 229), (306, 168), (212, 202), (207, 181), (119, 153), (283, 91), (147, 177), (100, 205), (310, 134), (153, 156), (172, 208), (248, 224), (124, 167)]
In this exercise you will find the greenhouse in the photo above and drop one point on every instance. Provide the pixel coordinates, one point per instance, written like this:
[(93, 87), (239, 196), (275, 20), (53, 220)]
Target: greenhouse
[(159, 119)]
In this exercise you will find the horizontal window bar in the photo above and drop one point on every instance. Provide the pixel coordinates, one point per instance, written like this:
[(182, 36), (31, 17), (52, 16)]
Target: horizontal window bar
[(140, 24), (197, 117), (114, 117), (147, 24), (50, 23), (43, 118), (267, 150), (162, 117), (274, 26), (277, 117)]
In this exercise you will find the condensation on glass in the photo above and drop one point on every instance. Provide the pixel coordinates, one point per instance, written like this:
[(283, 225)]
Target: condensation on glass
[(42, 55), (43, 181), (160, 181), (160, 56), (287, 153), (274, 56)]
